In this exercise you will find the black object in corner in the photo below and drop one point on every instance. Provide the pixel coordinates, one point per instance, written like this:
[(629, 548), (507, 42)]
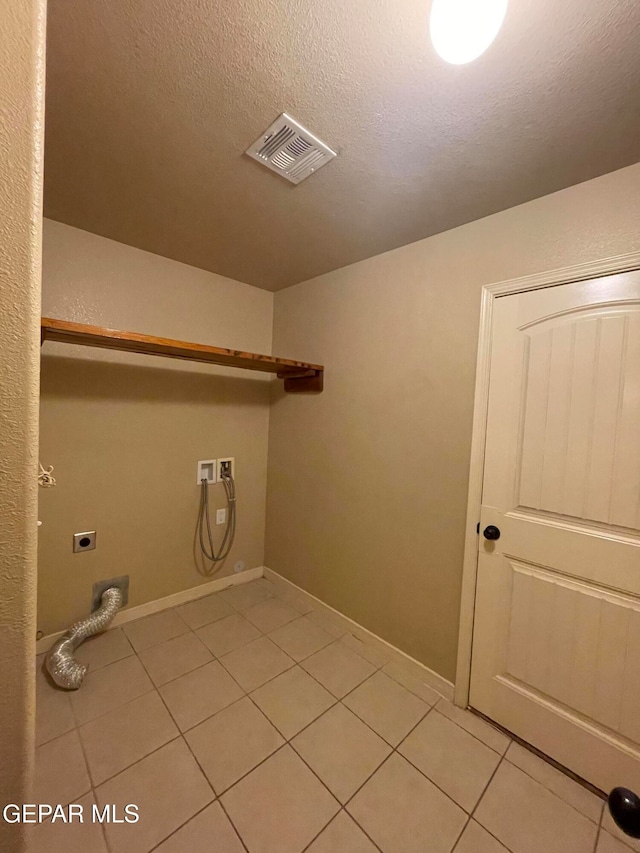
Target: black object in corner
[(624, 806)]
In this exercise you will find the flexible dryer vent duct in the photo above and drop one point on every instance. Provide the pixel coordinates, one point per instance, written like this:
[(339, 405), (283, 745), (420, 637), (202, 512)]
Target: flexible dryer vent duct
[(65, 671)]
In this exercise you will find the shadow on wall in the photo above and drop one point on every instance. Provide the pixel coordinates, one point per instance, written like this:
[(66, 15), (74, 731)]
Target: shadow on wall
[(100, 380)]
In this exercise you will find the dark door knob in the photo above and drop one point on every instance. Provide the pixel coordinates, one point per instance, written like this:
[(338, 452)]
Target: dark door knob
[(624, 806), (491, 532)]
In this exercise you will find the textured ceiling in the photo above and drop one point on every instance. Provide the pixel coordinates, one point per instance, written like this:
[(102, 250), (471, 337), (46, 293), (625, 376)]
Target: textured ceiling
[(151, 103)]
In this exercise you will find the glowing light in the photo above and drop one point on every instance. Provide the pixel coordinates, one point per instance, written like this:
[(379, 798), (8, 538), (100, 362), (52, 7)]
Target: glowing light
[(461, 30)]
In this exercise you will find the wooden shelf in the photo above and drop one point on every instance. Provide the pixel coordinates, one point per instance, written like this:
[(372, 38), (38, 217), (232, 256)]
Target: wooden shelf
[(299, 376)]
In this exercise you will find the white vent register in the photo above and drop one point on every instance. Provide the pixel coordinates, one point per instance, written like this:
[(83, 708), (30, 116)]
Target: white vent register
[(288, 148)]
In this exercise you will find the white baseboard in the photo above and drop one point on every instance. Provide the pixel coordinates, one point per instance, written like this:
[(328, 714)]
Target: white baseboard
[(182, 597), (391, 653), (372, 641)]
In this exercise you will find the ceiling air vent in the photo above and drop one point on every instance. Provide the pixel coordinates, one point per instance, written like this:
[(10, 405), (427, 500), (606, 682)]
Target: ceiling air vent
[(290, 150)]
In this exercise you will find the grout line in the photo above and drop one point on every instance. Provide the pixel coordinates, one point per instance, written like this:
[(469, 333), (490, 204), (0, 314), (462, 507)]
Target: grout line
[(84, 754), (394, 747), (394, 750), (627, 844), (188, 671), (233, 826), (155, 687), (206, 778), (92, 789), (244, 689), (310, 723), (306, 657), (92, 668), (246, 695), (286, 741), (184, 740), (116, 707), (407, 735), (599, 830), (297, 663), (86, 760), (398, 657), (486, 787), (103, 827), (364, 831), (218, 797), (178, 828), (160, 642), (180, 735), (336, 699), (297, 755), (475, 737), (60, 734), (334, 818), (182, 674), (550, 790), (138, 760), (462, 832), (474, 809), (218, 660), (542, 756)]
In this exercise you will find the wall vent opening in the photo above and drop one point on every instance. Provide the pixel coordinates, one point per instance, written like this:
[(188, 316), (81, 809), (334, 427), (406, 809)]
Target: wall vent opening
[(288, 148)]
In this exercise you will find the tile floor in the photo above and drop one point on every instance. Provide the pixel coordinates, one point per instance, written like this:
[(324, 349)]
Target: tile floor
[(249, 721)]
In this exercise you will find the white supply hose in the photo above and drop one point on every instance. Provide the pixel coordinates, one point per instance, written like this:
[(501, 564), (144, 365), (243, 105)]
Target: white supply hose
[(60, 663)]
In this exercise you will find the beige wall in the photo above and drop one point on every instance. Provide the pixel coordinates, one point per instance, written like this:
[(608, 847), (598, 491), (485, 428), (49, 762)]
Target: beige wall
[(124, 432), (21, 103), (367, 481)]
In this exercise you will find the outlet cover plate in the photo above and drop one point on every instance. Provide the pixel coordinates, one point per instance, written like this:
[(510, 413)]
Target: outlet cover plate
[(84, 541), (99, 587)]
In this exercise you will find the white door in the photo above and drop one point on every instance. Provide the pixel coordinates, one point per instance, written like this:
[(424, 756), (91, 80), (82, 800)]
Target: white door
[(556, 648)]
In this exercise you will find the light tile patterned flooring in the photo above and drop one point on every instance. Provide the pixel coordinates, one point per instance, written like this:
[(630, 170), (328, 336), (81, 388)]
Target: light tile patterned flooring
[(246, 721)]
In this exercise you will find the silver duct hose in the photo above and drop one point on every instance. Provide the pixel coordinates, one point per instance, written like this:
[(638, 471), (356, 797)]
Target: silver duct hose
[(65, 671)]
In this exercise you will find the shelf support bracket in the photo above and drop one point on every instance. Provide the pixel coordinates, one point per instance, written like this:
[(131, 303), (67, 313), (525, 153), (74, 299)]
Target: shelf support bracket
[(304, 382)]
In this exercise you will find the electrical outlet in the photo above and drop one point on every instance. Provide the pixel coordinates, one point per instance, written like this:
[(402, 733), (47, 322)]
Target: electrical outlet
[(84, 541), (226, 465), (221, 516)]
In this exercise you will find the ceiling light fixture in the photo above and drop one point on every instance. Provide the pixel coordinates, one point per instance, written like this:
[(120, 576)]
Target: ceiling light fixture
[(461, 30)]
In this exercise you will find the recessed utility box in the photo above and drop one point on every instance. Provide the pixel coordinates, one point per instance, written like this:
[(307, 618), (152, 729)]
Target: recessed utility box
[(226, 465), (207, 471)]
